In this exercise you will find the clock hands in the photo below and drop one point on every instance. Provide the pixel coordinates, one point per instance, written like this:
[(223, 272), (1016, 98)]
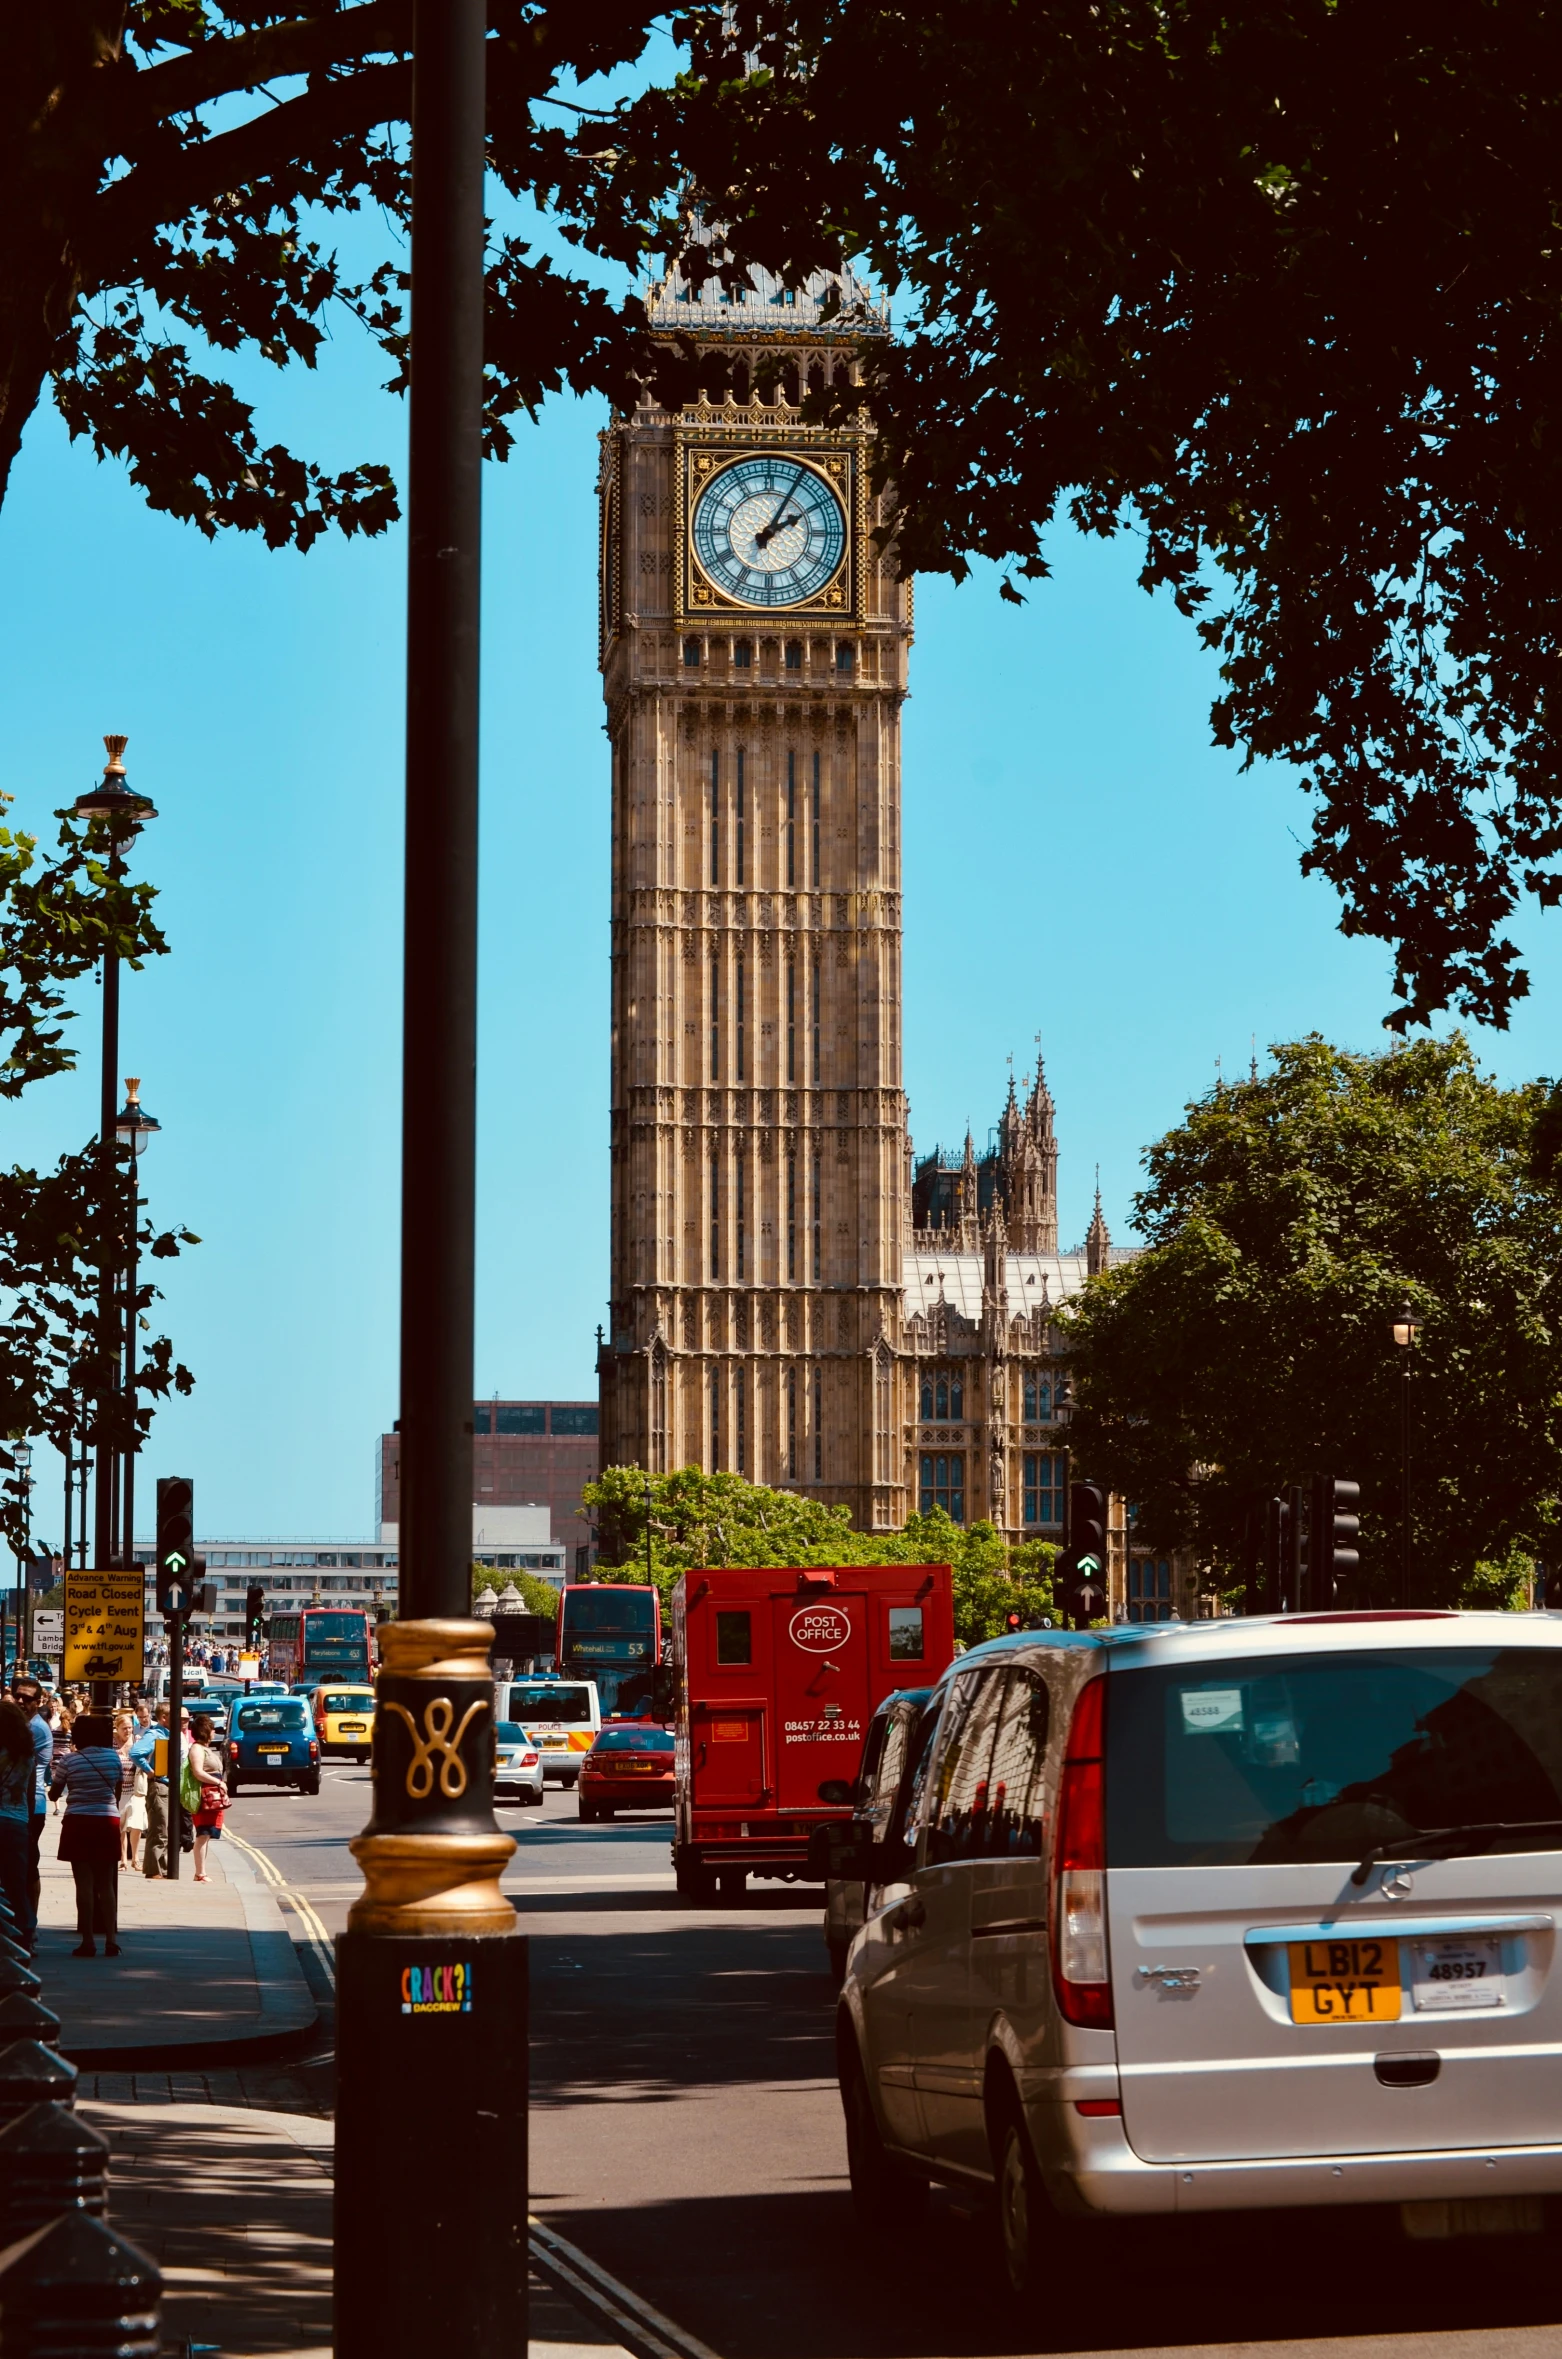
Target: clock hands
[(781, 517)]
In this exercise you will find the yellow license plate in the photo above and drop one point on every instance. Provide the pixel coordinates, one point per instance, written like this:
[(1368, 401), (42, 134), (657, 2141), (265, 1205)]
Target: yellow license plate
[(1344, 1981)]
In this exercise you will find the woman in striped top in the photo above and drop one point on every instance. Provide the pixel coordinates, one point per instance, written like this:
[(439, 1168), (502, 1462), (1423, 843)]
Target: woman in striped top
[(90, 1777)]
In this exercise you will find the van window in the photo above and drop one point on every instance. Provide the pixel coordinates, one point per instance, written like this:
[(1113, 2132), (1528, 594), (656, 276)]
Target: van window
[(956, 1809), (900, 1837), (551, 1707), (1014, 1816), (1278, 1758), (891, 1761), (734, 1638), (905, 1634)]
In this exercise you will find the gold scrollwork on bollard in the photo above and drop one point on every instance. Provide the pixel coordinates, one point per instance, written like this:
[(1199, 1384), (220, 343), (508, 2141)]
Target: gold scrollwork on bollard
[(438, 1713)]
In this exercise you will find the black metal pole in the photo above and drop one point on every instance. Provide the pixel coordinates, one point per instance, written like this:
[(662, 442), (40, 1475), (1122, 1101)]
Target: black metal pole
[(175, 1628), (431, 1981), (132, 1257), (108, 1288), (1404, 1479), (439, 1022)]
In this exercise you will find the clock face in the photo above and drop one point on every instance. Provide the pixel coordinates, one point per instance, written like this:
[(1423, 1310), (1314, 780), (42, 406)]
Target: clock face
[(769, 531)]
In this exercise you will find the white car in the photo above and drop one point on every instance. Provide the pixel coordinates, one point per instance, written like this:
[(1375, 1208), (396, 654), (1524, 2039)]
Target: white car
[(517, 1765), (1219, 1917)]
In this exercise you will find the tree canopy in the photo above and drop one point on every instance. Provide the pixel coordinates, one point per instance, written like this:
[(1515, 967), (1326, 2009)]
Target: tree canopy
[(58, 914), (723, 1519), (1289, 1221), (169, 170), (1275, 286)]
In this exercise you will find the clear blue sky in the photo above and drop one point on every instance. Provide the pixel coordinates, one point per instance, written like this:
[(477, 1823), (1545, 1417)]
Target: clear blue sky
[(1080, 862)]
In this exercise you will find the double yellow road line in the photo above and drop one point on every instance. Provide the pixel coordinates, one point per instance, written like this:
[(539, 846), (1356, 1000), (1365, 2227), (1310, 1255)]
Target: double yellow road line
[(315, 1934)]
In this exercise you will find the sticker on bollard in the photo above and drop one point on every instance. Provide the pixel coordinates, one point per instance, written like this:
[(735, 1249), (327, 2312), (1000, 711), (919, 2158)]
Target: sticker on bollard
[(431, 2064)]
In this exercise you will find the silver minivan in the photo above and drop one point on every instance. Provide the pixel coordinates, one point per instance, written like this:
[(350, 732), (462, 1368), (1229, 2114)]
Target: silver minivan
[(1219, 1916)]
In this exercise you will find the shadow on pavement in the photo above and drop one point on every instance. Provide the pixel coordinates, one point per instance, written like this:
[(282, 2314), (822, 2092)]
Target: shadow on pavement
[(784, 2276)]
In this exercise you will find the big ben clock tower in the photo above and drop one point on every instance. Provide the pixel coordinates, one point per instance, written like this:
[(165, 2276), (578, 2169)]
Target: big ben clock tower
[(754, 646)]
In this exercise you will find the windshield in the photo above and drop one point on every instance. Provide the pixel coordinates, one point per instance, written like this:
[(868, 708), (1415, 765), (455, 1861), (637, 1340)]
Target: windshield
[(1278, 1758), (273, 1716), (510, 1732), (608, 1609), (633, 1740), (554, 1707)]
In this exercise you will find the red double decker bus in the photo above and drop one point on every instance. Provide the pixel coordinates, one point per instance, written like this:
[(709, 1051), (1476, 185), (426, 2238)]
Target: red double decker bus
[(611, 1632), (320, 1642)]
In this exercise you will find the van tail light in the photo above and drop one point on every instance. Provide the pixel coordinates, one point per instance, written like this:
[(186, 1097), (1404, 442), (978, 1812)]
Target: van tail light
[(1080, 1971), (314, 1750)]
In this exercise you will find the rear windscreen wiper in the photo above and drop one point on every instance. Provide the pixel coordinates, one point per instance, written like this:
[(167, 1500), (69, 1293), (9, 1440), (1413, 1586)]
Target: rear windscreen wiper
[(1444, 1842)]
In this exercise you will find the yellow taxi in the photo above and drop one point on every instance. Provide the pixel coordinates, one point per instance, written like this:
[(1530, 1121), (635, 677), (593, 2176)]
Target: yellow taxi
[(344, 1719)]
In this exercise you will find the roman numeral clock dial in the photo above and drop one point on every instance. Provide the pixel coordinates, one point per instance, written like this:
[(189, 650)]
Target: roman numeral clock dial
[(769, 531)]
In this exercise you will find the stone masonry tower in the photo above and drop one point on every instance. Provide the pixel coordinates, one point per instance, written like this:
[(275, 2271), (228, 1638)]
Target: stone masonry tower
[(754, 648)]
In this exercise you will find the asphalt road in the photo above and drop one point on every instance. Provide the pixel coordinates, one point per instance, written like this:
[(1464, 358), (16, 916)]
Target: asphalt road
[(686, 2132)]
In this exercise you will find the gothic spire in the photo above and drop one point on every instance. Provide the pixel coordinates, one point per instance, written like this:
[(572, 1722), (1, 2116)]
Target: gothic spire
[(1098, 1237)]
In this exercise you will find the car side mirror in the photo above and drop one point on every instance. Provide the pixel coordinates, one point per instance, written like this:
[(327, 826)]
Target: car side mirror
[(845, 1852), (837, 1792)]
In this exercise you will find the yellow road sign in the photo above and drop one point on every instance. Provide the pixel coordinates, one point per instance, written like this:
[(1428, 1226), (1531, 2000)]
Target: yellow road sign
[(104, 1636)]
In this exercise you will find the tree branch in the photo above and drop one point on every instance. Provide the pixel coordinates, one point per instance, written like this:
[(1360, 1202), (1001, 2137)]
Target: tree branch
[(128, 211), (305, 45)]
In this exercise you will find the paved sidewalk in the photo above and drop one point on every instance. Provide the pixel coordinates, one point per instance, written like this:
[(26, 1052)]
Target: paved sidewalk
[(234, 2206), (208, 1971)]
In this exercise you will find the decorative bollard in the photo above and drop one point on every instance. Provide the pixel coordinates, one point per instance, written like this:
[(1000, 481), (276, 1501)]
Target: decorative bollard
[(50, 2162), (22, 2017), (75, 2290), (14, 1950), (31, 2074), (14, 1977)]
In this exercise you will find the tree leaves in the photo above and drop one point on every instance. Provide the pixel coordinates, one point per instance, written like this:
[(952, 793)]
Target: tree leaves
[(1250, 1347)]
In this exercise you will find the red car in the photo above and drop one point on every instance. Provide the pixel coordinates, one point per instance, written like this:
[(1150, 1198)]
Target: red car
[(630, 1767)]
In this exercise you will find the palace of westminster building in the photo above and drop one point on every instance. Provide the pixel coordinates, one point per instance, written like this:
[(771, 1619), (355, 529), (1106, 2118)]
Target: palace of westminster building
[(794, 1297)]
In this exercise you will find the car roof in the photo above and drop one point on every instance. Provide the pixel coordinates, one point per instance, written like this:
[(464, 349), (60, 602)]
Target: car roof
[(1128, 1644)]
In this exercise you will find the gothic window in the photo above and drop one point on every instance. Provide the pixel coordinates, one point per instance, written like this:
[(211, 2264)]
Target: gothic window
[(791, 835), (882, 1434), (818, 1182), (1043, 1486), (691, 655), (943, 1397), (794, 655), (743, 654), (741, 975), (844, 656), (715, 1417), (715, 1214), (791, 1197), (791, 1425), (816, 882), (715, 818), (659, 1413), (1038, 1397), (740, 827), (1149, 1589), (739, 1175), (818, 1425), (814, 1029), (791, 1016), (740, 1423), (715, 1022), (943, 1484)]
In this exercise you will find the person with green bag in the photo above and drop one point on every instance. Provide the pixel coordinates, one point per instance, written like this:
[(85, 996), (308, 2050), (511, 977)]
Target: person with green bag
[(203, 1790)]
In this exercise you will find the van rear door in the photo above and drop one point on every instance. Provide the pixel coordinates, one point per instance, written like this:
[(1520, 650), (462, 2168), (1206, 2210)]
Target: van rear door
[(1269, 2006), (821, 1676)]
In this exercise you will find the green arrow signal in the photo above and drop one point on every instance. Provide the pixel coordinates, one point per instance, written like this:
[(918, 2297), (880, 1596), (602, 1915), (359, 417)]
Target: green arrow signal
[(174, 1562), (1088, 1564)]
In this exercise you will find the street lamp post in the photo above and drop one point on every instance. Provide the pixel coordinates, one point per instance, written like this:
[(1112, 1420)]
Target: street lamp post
[(123, 815), (21, 1461), (431, 1980), (1406, 1330), (133, 1130)]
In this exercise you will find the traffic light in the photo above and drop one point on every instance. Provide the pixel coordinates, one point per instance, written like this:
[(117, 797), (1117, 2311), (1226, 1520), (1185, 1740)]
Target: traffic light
[(175, 1543), (1012, 1622), (254, 1613), (1334, 1528), (1083, 1568)]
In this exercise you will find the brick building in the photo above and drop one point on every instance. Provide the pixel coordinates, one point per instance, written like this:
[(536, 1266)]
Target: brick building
[(524, 1453)]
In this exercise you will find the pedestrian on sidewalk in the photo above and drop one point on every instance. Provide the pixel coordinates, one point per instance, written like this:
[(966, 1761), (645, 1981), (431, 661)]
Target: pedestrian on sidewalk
[(144, 1754), (89, 1777), (132, 1815), (206, 1762), (17, 1779), (28, 1695)]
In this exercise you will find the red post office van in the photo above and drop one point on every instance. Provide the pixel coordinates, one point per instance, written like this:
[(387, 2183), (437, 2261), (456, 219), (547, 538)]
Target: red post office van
[(777, 1673)]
